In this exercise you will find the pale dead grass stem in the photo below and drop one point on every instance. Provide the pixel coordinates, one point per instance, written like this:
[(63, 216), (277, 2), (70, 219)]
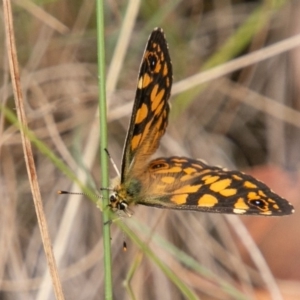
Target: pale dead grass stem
[(30, 165)]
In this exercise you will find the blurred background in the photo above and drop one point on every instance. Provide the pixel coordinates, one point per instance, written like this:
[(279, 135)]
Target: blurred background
[(247, 119)]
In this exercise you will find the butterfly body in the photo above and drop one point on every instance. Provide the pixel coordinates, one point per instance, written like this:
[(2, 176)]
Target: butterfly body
[(178, 182)]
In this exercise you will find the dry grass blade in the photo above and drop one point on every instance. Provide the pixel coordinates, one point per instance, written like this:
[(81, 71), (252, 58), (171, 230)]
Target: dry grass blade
[(31, 170)]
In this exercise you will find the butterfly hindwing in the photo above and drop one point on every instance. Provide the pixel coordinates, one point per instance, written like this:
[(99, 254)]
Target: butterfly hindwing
[(189, 184)]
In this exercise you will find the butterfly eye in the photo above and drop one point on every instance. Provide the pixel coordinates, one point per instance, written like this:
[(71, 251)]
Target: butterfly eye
[(122, 205), (113, 199)]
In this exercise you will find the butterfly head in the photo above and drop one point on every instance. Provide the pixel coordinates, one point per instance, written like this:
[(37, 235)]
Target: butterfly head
[(122, 196), (117, 204)]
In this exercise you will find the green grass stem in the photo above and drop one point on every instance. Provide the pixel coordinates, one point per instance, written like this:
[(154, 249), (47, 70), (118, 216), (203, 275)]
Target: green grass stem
[(103, 146)]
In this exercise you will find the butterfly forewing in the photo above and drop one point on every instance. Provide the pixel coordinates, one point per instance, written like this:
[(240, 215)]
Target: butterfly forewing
[(151, 108)]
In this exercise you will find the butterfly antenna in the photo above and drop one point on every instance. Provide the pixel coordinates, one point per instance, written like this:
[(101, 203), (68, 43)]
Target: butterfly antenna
[(112, 162), (76, 193), (69, 193)]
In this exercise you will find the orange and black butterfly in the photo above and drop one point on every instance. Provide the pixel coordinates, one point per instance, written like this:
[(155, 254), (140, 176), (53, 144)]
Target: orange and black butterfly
[(178, 182)]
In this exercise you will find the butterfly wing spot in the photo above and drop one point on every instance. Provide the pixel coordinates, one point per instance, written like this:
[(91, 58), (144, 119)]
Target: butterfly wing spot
[(260, 204), (135, 141), (250, 185), (266, 213), (262, 194), (189, 170), (239, 211), (142, 114), (158, 165), (138, 137), (253, 196), (170, 170), (180, 195), (153, 94), (236, 177), (165, 73), (199, 166), (186, 177), (188, 189), (159, 125), (156, 100), (152, 60), (273, 204), (210, 179), (158, 113), (228, 192), (220, 185), (158, 66), (207, 200), (162, 56), (179, 199), (168, 179), (144, 81), (240, 206), (179, 160)]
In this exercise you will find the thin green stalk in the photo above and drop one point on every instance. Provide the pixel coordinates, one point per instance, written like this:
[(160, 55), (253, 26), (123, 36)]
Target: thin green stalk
[(103, 146)]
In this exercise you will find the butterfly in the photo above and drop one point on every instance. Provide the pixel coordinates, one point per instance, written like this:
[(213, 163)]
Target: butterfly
[(178, 182)]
